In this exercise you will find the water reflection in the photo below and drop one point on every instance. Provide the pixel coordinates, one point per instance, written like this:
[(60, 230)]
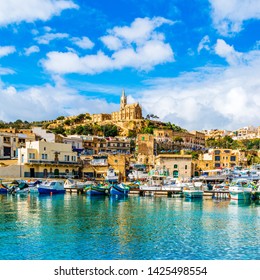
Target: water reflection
[(75, 226)]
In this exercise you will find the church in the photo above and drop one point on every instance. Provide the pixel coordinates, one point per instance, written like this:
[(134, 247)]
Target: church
[(127, 112)]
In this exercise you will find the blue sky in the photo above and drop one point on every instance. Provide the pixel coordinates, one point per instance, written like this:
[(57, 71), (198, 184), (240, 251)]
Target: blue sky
[(194, 63)]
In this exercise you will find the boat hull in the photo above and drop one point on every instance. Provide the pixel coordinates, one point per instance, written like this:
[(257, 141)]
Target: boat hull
[(50, 191), (96, 191), (117, 190), (240, 195), (3, 191), (193, 194)]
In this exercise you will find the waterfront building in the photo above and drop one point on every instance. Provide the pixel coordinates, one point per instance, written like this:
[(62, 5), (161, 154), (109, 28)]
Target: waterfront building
[(177, 166), (41, 159), (96, 166), (11, 139)]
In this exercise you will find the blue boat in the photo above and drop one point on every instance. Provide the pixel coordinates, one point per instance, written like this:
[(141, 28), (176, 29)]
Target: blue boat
[(96, 190), (3, 188), (119, 189), (51, 187)]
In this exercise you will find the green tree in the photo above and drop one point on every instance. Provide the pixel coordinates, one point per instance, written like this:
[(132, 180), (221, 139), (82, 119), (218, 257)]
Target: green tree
[(109, 130)]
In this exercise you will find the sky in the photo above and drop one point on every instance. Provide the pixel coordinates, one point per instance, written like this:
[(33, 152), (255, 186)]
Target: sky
[(195, 63)]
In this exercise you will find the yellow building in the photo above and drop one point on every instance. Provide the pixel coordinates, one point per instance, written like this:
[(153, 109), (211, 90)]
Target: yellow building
[(127, 111), (177, 166), (146, 149), (41, 159), (101, 117)]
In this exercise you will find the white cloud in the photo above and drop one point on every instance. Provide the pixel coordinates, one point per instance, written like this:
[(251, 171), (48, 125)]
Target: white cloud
[(138, 46), (229, 16), (15, 11), (228, 52), (6, 50), (210, 97), (46, 38), (204, 44), (111, 42), (6, 71), (30, 50), (84, 42), (141, 30), (47, 102)]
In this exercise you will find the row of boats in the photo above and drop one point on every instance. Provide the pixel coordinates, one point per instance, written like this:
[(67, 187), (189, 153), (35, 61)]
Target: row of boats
[(59, 187), (239, 189)]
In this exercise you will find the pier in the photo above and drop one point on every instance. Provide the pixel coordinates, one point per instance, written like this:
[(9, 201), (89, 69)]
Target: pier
[(74, 190), (218, 194)]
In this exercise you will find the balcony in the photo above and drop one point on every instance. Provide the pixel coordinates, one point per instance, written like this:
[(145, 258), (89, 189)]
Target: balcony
[(52, 162)]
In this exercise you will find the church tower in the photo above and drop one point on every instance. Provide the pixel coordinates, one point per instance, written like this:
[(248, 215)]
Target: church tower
[(123, 100)]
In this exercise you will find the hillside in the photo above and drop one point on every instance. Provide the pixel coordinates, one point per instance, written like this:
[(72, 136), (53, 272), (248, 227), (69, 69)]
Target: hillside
[(82, 124)]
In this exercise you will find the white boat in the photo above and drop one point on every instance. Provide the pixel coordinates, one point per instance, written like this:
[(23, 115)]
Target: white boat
[(138, 175), (154, 183), (51, 187), (162, 183), (70, 183), (111, 175), (241, 189), (192, 191)]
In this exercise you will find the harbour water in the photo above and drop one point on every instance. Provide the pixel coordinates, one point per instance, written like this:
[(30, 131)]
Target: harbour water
[(77, 227)]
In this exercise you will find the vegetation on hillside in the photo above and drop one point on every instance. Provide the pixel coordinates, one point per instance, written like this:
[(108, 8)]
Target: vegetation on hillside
[(228, 143)]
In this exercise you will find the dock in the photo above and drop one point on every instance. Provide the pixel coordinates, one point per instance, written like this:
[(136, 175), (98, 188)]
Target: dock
[(74, 190), (219, 194)]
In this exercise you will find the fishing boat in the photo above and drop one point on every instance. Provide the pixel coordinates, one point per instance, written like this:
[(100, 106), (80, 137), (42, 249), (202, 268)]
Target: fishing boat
[(119, 189), (240, 189), (191, 191), (96, 190), (51, 187), (18, 187), (3, 188), (111, 175)]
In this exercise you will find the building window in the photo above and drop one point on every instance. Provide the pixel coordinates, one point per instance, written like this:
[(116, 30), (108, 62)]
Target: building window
[(67, 158), (31, 156), (217, 152), (217, 158), (233, 158), (143, 138), (175, 166), (44, 148), (116, 160), (186, 167), (217, 164), (44, 156)]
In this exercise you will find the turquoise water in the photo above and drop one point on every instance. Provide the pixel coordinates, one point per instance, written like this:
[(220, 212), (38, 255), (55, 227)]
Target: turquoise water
[(67, 227)]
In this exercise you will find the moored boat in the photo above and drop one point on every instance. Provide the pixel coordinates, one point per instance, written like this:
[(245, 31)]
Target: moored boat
[(240, 189), (190, 191), (51, 187), (3, 188), (119, 189), (96, 190), (111, 175)]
